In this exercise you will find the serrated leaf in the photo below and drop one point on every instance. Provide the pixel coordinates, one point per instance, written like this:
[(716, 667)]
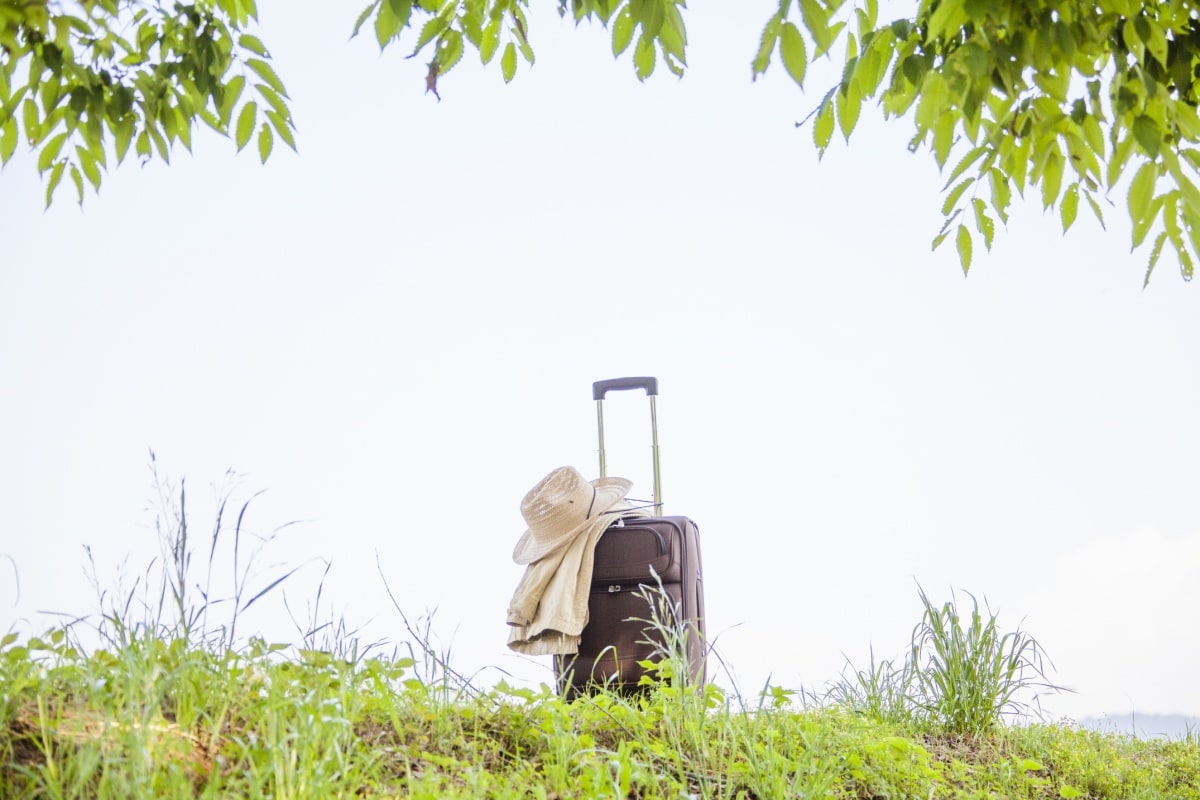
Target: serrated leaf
[(1159, 241), (508, 62), (8, 140), (253, 44), (1141, 192), (388, 24), (1142, 226), (766, 46), (1148, 135), (50, 152), (622, 33), (55, 177), (817, 22), (29, 111), (983, 223), (232, 92), (965, 163), (489, 41), (282, 128), (245, 124), (264, 71), (794, 52), (1070, 206), (848, 108), (90, 170), (823, 126), (1096, 210), (362, 18), (265, 141), (274, 100), (644, 57), (1093, 135), (652, 17), (430, 31), (963, 244), (160, 143), (955, 194), (77, 179), (1052, 177)]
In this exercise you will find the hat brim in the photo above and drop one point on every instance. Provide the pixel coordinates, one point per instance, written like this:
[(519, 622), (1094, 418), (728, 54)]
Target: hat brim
[(609, 492)]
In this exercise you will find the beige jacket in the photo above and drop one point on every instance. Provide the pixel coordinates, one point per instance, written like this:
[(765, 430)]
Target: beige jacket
[(550, 606)]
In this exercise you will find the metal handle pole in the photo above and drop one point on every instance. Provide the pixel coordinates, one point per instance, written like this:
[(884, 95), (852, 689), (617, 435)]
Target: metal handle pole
[(658, 504), (600, 427)]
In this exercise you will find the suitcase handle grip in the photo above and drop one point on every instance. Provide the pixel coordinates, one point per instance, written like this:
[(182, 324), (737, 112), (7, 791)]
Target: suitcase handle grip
[(601, 388)]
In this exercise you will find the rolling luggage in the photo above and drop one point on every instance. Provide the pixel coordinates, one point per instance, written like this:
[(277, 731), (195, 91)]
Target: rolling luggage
[(627, 557)]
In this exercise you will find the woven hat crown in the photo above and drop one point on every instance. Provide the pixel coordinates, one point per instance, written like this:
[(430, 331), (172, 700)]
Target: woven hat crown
[(562, 505), (560, 502)]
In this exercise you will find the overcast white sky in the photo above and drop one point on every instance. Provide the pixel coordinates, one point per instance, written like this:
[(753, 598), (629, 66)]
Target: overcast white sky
[(394, 334)]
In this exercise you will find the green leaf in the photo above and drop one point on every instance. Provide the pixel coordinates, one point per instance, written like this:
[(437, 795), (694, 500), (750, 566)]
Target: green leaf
[(391, 21), (77, 179), (508, 62), (1141, 192), (430, 31), (264, 71), (1070, 206), (50, 152), (643, 57), (8, 139), (90, 170), (231, 93), (265, 141), (1093, 135), (489, 41), (1148, 135), (1141, 227), (652, 17), (622, 33), (1001, 193), (282, 128), (29, 110), (1052, 178), (362, 18), (848, 108), (766, 46), (965, 163), (1159, 241), (274, 100), (823, 127), (253, 44), (963, 243), (817, 22), (955, 194), (983, 223), (55, 177), (1096, 209), (245, 124), (794, 52)]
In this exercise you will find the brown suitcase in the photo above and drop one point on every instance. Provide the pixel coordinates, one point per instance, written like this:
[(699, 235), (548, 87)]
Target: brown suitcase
[(634, 557)]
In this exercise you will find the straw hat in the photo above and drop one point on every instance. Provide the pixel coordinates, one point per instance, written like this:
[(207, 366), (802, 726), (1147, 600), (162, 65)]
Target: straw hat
[(562, 506)]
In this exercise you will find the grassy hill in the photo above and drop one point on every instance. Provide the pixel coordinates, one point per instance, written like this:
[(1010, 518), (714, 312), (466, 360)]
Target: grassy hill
[(163, 717)]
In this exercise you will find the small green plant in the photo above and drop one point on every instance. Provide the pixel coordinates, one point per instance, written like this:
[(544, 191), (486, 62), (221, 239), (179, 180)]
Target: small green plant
[(961, 676), (970, 674)]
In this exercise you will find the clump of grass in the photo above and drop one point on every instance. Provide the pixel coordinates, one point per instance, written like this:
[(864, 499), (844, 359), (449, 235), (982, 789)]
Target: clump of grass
[(962, 675)]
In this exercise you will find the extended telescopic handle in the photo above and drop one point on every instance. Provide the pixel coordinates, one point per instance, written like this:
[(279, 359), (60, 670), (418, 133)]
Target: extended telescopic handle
[(599, 390)]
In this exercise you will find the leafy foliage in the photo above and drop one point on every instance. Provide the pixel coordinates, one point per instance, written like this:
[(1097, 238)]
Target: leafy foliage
[(1074, 100), (86, 80)]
